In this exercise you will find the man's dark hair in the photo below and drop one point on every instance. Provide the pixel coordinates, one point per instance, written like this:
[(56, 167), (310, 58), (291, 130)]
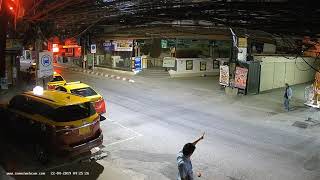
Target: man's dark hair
[(188, 149)]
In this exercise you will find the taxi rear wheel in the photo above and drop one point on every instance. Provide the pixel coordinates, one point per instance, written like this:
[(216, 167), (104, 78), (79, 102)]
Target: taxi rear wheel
[(41, 153)]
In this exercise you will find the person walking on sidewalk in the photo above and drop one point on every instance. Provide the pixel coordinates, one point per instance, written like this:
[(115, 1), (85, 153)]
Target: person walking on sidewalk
[(287, 97), (184, 161)]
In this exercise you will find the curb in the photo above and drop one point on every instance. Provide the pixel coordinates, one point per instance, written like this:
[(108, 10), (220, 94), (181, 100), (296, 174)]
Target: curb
[(102, 74)]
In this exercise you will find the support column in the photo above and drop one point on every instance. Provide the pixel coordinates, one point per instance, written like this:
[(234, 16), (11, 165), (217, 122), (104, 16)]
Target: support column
[(3, 37)]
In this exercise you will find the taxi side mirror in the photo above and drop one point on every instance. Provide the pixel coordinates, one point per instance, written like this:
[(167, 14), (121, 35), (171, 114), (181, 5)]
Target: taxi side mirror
[(102, 118)]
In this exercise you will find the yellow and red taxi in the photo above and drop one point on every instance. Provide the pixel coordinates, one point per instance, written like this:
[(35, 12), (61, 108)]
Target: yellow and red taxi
[(56, 81), (54, 122), (86, 91)]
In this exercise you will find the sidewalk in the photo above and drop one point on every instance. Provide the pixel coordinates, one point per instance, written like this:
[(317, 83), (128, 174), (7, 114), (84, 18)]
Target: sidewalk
[(266, 105), (103, 72)]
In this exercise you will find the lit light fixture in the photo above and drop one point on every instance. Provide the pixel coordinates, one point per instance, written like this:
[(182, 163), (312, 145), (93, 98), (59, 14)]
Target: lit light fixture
[(38, 90), (55, 48), (11, 8)]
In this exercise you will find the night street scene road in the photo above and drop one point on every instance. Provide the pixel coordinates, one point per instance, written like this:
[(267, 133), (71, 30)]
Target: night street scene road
[(159, 90)]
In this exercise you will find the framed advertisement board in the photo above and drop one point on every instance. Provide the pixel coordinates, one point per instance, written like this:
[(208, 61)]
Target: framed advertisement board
[(240, 80), (224, 75), (203, 66), (189, 64)]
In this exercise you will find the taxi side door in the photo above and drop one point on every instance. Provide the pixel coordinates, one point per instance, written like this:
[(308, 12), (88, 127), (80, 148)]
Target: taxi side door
[(20, 117)]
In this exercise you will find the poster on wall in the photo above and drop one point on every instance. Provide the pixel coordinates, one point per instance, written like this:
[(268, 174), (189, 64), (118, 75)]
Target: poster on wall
[(189, 65), (203, 66), (241, 78), (123, 45), (224, 75)]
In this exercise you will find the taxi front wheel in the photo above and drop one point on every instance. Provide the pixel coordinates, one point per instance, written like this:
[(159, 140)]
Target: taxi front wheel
[(41, 154)]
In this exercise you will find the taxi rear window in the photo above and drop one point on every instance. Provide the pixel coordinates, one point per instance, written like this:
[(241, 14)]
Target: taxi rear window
[(72, 112), (57, 78), (87, 91)]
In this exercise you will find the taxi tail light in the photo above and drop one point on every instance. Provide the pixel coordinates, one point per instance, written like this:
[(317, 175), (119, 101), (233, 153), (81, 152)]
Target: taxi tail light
[(100, 106), (50, 87)]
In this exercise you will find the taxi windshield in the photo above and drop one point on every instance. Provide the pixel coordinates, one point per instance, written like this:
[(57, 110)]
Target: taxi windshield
[(87, 91), (57, 78)]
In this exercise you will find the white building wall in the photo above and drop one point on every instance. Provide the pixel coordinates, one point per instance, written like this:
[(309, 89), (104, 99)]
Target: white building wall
[(181, 70), (278, 70)]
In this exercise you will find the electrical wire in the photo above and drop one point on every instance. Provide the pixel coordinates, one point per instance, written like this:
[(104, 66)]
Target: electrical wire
[(298, 54)]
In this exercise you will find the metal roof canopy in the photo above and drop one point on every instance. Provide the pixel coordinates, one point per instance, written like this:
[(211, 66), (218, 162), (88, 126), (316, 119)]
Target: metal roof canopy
[(75, 18)]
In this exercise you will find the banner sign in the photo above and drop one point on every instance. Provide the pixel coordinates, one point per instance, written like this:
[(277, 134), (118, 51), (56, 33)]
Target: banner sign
[(224, 75), (123, 45), (108, 46), (169, 62), (241, 78), (45, 64)]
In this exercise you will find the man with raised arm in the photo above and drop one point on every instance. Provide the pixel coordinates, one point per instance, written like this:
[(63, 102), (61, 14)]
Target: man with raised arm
[(184, 161)]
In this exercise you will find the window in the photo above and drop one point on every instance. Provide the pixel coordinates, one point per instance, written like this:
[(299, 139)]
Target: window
[(17, 102), (56, 78), (39, 108), (87, 91), (28, 105), (61, 89), (72, 112)]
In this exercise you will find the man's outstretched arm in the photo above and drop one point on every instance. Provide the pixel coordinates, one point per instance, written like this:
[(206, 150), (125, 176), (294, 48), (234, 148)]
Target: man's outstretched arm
[(195, 142)]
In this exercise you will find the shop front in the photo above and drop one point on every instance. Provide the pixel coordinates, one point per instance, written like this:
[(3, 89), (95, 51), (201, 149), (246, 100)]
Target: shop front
[(65, 52), (12, 52), (115, 54)]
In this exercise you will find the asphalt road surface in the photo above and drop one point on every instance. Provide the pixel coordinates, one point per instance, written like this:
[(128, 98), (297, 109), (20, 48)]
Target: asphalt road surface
[(149, 122)]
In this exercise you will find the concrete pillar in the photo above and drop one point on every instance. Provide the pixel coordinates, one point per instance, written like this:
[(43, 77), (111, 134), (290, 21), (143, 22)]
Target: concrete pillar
[(3, 36)]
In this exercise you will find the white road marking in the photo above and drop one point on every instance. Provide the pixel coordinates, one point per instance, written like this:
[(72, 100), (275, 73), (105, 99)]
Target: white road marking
[(121, 141), (137, 134)]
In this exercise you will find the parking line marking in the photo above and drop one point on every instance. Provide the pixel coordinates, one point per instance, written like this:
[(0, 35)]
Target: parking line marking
[(137, 134), (129, 129), (121, 141)]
